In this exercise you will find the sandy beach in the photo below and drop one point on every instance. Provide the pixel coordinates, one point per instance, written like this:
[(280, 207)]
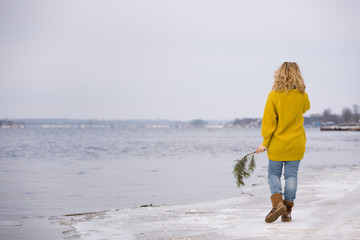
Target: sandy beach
[(326, 208)]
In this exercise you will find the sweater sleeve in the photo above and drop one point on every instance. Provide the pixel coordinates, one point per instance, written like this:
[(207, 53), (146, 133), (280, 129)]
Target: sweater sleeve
[(306, 103), (270, 120)]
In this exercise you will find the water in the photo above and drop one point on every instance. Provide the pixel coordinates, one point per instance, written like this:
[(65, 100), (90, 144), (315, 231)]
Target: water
[(55, 171), (58, 171)]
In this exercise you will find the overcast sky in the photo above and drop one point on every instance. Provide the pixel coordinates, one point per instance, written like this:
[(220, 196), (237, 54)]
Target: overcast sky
[(176, 60)]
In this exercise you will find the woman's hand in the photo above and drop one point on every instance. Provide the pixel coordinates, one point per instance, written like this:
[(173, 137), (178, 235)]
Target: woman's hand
[(260, 149)]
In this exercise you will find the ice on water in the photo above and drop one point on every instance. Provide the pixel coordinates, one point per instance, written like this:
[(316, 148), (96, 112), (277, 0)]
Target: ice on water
[(327, 208)]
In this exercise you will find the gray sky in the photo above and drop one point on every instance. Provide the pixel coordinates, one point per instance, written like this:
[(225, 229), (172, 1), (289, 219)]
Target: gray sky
[(176, 60)]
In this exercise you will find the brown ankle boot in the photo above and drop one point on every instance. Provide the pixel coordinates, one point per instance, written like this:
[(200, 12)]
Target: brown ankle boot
[(286, 217), (278, 208)]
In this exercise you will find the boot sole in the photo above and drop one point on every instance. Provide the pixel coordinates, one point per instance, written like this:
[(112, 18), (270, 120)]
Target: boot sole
[(275, 215), (286, 219)]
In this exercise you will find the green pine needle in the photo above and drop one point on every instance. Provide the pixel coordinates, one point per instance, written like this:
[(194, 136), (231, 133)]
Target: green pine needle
[(252, 164), (243, 169)]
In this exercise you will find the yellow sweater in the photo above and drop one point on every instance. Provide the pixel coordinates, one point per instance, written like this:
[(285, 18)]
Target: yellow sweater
[(282, 125)]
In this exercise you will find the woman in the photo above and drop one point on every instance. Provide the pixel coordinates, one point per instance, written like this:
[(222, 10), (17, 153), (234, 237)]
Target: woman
[(284, 137)]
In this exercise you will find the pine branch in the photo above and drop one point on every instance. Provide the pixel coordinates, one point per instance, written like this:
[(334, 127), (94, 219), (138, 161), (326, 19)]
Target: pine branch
[(243, 170)]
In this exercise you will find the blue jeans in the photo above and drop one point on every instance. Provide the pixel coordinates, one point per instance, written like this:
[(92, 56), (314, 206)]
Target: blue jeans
[(290, 175)]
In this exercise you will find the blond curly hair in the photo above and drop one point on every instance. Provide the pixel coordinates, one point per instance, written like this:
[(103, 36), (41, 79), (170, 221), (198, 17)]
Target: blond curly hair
[(288, 77)]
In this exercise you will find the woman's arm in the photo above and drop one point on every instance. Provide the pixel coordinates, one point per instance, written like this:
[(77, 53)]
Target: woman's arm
[(269, 121), (307, 103)]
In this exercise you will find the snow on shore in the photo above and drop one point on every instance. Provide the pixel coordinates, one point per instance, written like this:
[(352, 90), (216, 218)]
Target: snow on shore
[(326, 208)]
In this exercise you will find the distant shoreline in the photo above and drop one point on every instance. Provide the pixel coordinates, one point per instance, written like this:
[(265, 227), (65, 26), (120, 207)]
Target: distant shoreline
[(352, 127), (161, 124), (137, 123)]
